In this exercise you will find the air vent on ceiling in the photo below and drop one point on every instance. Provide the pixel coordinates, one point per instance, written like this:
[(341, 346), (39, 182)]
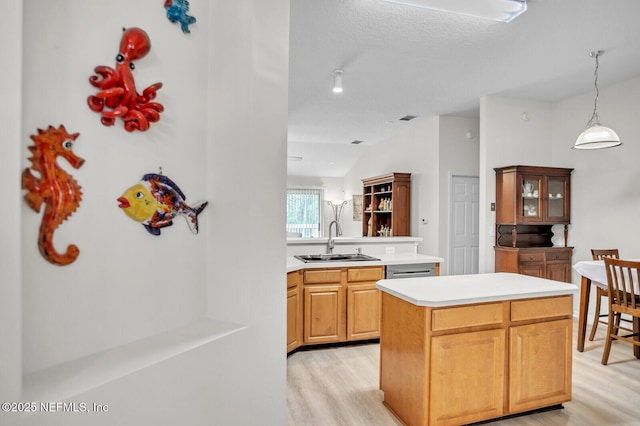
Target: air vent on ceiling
[(356, 142), (408, 117), (294, 158)]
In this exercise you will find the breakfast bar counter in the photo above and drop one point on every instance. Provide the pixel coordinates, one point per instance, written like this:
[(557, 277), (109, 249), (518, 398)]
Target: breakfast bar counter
[(468, 348)]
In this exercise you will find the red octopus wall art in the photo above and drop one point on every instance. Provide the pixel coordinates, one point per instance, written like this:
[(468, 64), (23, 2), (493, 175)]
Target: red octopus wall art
[(118, 96), (55, 188)]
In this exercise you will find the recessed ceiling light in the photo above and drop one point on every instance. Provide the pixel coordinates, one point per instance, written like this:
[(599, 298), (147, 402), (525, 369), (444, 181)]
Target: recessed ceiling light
[(356, 142), (408, 117)]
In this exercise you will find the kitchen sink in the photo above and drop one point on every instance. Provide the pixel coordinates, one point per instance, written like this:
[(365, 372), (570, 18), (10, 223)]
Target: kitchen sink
[(307, 258)]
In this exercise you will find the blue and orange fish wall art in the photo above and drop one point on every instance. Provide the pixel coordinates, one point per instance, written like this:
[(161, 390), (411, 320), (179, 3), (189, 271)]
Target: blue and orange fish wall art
[(54, 187), (155, 201)]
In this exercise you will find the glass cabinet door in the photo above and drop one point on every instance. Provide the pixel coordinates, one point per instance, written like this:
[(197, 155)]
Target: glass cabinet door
[(531, 196), (557, 192)]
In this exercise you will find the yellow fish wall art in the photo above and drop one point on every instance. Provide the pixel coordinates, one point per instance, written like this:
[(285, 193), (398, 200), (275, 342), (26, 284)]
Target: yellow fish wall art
[(155, 201)]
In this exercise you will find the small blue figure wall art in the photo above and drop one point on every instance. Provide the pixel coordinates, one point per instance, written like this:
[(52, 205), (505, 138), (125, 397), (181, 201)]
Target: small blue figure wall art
[(177, 12)]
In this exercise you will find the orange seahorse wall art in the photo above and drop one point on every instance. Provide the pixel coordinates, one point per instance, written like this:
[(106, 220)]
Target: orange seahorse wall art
[(53, 187)]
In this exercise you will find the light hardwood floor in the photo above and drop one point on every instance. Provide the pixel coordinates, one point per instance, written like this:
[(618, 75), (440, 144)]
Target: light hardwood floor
[(339, 386)]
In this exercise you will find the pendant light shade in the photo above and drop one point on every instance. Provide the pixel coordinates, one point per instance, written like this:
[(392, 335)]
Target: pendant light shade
[(595, 135)]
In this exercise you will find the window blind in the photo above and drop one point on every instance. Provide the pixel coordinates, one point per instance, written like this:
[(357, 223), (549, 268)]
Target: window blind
[(304, 211)]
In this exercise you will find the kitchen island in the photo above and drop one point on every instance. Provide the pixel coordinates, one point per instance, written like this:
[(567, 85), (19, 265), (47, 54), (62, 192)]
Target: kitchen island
[(467, 348)]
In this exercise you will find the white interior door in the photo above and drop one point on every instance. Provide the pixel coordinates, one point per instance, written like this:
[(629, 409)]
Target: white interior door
[(464, 227)]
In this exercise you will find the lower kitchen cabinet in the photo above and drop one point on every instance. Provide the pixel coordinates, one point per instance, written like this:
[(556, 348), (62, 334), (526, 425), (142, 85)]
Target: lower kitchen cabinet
[(324, 305), (364, 302), (324, 314), (294, 311), (363, 311), (338, 305)]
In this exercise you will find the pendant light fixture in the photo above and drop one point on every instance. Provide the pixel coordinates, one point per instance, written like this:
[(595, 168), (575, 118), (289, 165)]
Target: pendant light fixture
[(595, 135), (337, 81)]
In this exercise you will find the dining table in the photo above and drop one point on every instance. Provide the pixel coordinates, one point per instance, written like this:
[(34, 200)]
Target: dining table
[(593, 272)]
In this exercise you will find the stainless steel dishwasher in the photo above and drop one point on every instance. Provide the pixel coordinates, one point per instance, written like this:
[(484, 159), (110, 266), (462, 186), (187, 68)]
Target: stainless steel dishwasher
[(410, 270)]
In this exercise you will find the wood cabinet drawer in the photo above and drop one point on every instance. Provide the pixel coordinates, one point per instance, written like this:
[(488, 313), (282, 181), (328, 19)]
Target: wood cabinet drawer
[(293, 279), (373, 273), (321, 276), (541, 308), (561, 256), (531, 256), (467, 316)]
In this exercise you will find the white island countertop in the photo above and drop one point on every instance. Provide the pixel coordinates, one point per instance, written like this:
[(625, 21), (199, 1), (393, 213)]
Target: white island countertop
[(454, 290)]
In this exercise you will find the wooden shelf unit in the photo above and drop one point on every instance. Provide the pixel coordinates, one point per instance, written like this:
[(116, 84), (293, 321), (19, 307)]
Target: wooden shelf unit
[(386, 204)]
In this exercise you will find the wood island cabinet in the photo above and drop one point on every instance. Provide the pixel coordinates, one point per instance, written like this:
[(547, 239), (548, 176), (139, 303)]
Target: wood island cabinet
[(463, 364), (333, 305), (386, 205), (533, 384), (530, 200), (479, 351)]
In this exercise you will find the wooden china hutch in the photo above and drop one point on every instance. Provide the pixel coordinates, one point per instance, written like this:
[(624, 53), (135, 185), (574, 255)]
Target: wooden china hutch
[(530, 200)]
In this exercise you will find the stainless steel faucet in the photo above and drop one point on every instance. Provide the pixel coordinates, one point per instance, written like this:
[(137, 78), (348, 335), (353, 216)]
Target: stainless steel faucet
[(331, 243)]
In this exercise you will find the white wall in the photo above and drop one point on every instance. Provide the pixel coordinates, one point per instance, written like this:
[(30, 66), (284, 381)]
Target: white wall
[(605, 189), (431, 150), (246, 181), (506, 139), (605, 197), (128, 286), (415, 151), (10, 158), (459, 153), (123, 285), (604, 194)]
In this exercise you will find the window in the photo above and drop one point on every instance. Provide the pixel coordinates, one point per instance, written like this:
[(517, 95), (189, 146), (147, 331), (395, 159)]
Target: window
[(304, 211)]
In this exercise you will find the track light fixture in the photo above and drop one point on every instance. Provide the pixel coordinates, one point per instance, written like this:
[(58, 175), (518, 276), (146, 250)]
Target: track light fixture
[(495, 10)]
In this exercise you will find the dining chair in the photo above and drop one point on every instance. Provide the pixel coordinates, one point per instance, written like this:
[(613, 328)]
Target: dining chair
[(599, 254), (624, 298)]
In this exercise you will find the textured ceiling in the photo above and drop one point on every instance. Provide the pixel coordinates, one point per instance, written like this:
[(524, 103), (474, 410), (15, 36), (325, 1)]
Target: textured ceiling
[(400, 60)]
